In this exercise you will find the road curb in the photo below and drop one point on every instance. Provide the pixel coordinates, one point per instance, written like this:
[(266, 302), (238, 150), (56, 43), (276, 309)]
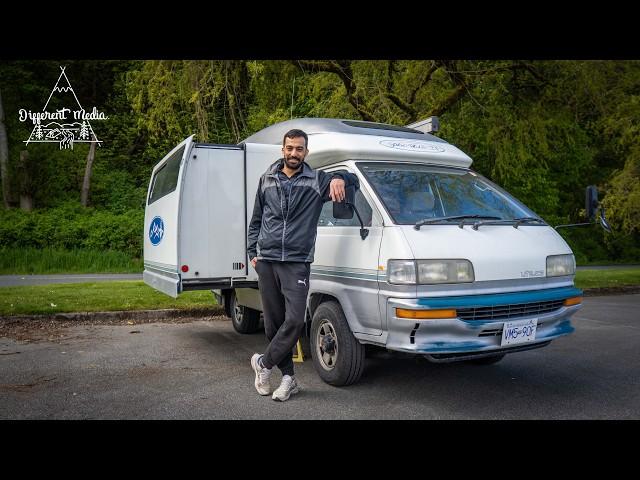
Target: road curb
[(625, 290), (140, 315), (150, 315)]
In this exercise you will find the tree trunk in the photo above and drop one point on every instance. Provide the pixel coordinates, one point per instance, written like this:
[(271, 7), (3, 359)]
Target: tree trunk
[(86, 183), (26, 199), (4, 158)]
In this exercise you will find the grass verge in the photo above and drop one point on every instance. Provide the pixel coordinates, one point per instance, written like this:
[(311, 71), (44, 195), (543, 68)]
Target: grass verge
[(607, 278), (95, 297), (136, 295)]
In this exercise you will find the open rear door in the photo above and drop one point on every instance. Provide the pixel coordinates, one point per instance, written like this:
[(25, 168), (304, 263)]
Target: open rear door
[(161, 220), (212, 243)]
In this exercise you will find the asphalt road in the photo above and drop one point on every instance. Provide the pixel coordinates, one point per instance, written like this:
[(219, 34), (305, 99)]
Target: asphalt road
[(200, 370)]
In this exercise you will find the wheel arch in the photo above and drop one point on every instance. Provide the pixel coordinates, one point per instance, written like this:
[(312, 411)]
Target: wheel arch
[(315, 300)]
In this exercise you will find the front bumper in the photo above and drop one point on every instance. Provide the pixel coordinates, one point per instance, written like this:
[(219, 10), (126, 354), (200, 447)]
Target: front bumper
[(461, 338)]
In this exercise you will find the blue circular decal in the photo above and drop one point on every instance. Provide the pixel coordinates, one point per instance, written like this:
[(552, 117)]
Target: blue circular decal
[(156, 230)]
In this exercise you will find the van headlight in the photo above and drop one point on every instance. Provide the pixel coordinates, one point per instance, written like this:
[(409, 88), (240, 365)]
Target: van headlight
[(429, 271), (559, 265), (401, 272), (445, 271)]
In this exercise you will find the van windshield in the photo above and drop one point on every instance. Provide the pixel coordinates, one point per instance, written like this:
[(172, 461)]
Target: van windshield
[(414, 193)]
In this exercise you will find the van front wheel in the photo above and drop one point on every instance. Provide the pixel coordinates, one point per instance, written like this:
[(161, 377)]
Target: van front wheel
[(244, 319), (337, 356)]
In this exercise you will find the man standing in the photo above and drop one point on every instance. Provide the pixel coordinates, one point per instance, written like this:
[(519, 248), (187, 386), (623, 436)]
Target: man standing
[(281, 243)]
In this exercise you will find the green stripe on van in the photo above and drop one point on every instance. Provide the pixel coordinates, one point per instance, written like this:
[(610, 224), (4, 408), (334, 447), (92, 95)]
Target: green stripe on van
[(362, 274), (161, 266)]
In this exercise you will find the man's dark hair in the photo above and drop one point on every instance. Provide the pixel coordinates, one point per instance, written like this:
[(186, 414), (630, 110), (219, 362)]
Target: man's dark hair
[(296, 133)]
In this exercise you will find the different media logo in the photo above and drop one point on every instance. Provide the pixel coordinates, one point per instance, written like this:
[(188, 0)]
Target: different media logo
[(64, 126)]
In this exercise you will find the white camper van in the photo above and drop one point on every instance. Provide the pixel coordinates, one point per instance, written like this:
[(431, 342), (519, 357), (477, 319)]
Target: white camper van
[(438, 261)]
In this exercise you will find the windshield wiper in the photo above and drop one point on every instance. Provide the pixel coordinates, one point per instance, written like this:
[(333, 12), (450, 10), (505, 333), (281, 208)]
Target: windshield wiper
[(501, 221), (454, 217), (526, 219)]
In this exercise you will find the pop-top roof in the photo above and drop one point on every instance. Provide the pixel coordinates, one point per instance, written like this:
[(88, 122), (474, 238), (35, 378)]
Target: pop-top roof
[(273, 135)]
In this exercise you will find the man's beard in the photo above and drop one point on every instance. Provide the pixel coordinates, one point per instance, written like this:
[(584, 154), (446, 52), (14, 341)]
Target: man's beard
[(294, 165)]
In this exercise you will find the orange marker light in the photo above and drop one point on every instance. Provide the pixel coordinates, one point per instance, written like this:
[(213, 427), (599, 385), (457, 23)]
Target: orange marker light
[(572, 301), (417, 314)]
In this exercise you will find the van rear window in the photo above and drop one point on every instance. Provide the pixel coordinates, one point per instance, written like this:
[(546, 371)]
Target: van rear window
[(165, 180)]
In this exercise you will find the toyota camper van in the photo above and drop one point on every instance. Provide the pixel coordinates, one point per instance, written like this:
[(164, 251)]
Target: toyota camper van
[(427, 257)]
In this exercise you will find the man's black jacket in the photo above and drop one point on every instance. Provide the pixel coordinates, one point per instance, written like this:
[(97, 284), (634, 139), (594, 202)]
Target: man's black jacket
[(289, 235)]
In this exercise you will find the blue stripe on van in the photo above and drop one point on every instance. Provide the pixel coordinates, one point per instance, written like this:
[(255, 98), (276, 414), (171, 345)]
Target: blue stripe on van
[(500, 298), (561, 329), (345, 274)]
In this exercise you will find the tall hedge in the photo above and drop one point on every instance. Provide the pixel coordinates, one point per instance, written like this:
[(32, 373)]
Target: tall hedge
[(72, 226)]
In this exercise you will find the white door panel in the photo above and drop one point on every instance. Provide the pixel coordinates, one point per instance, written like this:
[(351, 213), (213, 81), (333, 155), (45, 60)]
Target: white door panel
[(161, 221), (212, 241)]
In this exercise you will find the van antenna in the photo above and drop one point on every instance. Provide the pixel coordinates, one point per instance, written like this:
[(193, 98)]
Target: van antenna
[(293, 89)]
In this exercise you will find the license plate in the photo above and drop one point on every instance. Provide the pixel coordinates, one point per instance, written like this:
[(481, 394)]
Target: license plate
[(521, 331)]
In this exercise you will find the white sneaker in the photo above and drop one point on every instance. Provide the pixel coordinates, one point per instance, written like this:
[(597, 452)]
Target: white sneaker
[(288, 387), (262, 376)]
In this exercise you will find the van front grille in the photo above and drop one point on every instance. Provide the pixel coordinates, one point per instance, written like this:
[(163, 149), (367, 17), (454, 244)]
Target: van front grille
[(515, 310)]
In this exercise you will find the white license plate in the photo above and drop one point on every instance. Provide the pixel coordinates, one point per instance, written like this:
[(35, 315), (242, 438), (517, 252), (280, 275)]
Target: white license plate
[(521, 331)]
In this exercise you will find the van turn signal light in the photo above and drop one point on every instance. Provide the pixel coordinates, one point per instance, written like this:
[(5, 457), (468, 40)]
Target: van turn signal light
[(425, 314), (572, 301)]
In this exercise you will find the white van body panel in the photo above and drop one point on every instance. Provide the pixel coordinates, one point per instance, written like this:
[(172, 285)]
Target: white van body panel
[(496, 252), (394, 246), (329, 148), (343, 258), (204, 219), (161, 259), (211, 211)]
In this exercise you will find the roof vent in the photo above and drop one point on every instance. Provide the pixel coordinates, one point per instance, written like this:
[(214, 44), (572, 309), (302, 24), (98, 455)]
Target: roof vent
[(378, 126), (428, 125)]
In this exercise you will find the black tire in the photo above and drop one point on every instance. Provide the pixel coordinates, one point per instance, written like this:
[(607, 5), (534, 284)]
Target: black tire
[(487, 360), (244, 319), (226, 299), (337, 355)]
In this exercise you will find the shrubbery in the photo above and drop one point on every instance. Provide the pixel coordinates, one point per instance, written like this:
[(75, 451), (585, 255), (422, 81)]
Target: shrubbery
[(70, 226)]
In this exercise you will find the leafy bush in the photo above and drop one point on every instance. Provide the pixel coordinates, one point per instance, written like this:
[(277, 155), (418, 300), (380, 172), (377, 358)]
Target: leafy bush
[(116, 191), (38, 261), (70, 226)]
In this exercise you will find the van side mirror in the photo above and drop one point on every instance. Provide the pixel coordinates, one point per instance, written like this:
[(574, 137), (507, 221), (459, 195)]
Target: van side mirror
[(346, 209), (343, 209), (603, 221), (591, 202), (592, 208), (592, 205)]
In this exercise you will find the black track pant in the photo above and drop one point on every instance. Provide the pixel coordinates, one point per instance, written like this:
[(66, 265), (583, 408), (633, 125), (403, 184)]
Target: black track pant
[(283, 288)]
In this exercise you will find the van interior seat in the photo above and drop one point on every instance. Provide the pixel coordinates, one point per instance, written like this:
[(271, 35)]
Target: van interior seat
[(421, 203)]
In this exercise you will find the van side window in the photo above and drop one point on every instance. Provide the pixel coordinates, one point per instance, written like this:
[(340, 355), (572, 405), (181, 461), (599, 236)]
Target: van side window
[(165, 180), (327, 219)]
